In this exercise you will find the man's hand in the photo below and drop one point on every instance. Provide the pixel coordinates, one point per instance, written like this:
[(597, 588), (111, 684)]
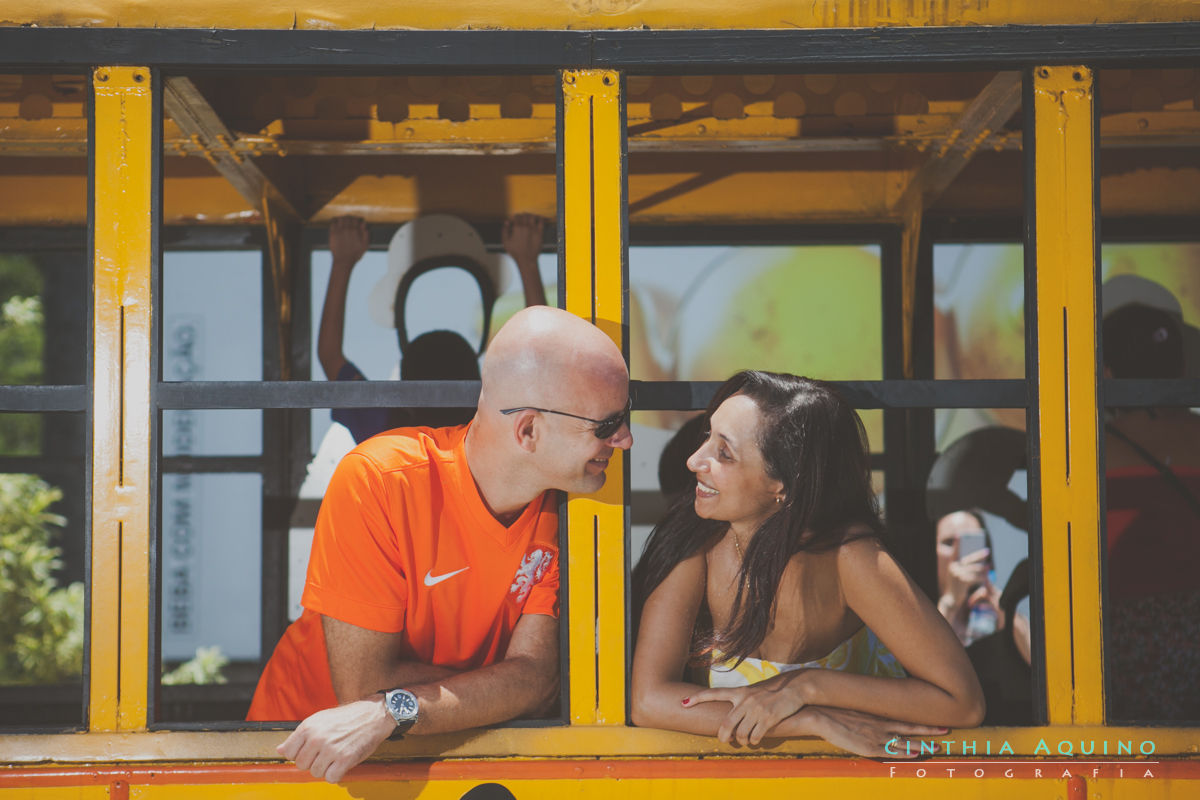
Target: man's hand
[(331, 742), (348, 241)]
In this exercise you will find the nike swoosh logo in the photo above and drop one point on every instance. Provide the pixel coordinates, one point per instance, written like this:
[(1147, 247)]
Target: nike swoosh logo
[(430, 580)]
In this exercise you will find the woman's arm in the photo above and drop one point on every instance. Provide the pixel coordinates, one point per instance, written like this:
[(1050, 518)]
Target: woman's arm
[(660, 657), (941, 689), (659, 660)]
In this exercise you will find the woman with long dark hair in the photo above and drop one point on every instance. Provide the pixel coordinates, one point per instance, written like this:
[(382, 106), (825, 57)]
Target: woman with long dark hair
[(773, 578)]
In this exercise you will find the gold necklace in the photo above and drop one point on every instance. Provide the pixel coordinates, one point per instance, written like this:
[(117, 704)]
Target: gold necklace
[(737, 545)]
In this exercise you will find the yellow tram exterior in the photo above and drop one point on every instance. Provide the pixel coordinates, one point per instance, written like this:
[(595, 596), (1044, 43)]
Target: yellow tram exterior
[(596, 752)]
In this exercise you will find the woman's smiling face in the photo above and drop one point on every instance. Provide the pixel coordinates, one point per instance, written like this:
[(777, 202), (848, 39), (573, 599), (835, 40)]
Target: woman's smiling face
[(732, 483)]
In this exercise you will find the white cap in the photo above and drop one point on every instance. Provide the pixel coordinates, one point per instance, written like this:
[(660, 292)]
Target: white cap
[(425, 237), (1122, 290)]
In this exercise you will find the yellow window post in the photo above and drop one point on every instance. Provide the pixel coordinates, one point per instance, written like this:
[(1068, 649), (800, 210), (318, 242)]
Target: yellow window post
[(593, 178), (122, 221), (1064, 124)]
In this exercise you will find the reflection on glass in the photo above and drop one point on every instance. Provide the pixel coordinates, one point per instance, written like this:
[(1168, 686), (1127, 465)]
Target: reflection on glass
[(212, 432), (976, 500), (1152, 490), (978, 328), (211, 564), (212, 316), (703, 313)]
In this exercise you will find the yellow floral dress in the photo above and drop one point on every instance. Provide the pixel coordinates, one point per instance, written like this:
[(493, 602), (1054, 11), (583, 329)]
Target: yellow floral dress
[(862, 654)]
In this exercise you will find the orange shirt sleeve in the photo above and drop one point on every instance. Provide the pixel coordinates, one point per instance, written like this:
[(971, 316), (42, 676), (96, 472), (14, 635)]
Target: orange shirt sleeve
[(356, 572), (543, 597)]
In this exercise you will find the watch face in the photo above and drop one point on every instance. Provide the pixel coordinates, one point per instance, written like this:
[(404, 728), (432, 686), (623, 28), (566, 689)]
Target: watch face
[(402, 704)]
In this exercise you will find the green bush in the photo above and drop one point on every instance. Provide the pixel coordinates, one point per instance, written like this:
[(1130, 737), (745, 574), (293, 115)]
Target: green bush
[(41, 624), (22, 339)]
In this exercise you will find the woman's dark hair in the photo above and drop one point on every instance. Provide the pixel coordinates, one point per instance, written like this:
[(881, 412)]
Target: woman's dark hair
[(814, 443)]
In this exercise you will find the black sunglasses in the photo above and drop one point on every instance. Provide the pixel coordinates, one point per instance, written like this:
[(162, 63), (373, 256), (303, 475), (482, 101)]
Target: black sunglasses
[(604, 429)]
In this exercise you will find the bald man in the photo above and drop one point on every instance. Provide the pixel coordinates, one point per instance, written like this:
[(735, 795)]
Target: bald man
[(432, 590)]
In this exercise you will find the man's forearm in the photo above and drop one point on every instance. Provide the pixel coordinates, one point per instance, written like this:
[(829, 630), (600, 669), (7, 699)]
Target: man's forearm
[(484, 696)]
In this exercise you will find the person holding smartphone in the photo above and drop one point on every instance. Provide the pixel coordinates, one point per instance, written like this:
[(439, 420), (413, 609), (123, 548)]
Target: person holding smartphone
[(967, 598)]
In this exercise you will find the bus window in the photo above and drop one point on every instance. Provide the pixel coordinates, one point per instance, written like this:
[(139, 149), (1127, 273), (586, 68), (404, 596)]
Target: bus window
[(1147, 318), (44, 296), (244, 306), (835, 303)]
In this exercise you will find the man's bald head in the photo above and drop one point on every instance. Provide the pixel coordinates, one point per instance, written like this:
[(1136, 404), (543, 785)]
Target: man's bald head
[(551, 358), (558, 377)]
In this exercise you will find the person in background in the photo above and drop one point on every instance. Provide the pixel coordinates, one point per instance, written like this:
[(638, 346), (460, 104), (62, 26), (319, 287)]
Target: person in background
[(432, 588), (436, 355), (1152, 488), (967, 598)]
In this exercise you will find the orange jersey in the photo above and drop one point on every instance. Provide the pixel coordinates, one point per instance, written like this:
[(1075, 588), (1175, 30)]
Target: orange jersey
[(404, 544)]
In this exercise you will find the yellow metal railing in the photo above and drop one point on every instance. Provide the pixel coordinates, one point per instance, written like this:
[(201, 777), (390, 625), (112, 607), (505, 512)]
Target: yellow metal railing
[(124, 226)]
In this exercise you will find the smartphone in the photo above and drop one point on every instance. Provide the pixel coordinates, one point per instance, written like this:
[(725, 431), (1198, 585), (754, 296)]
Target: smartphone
[(971, 542)]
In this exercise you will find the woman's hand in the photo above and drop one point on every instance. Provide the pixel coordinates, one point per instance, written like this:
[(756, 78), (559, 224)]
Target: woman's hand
[(756, 708), (969, 571), (869, 735)]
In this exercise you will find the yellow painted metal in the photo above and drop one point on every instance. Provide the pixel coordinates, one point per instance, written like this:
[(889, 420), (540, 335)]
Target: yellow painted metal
[(1066, 325), (578, 283), (121, 437), (593, 187), (56, 793), (582, 14), (573, 741), (898, 788)]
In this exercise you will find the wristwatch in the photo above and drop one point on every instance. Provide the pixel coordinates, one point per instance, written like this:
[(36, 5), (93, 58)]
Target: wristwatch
[(402, 705)]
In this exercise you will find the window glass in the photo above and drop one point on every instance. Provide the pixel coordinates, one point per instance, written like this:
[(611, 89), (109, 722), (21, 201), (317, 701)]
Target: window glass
[(212, 316), (44, 339), (211, 585), (979, 328), (1151, 478)]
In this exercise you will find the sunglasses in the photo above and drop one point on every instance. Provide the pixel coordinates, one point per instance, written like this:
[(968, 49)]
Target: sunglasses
[(604, 429)]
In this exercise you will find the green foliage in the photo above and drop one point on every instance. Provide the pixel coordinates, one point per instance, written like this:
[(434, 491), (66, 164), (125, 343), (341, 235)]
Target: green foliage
[(41, 624), (22, 336), (205, 667)]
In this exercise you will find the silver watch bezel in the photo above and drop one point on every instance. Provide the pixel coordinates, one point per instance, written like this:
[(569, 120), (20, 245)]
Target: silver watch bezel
[(403, 707)]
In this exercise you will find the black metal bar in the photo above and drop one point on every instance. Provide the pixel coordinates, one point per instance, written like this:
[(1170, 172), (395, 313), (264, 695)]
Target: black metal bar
[(1126, 393), (1033, 470), (89, 425), (224, 464), (49, 467), (41, 238), (863, 49), (741, 50), (685, 395), (793, 234), (154, 635), (44, 398), (198, 49), (647, 395), (318, 394)]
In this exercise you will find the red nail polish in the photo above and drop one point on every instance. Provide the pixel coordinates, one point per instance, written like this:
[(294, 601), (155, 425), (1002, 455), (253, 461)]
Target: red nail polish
[(686, 700)]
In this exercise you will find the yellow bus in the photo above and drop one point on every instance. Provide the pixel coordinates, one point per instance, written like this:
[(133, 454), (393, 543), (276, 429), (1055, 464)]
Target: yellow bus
[(919, 200)]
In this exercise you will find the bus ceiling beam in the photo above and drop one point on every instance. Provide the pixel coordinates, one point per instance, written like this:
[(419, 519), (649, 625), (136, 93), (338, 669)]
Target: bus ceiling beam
[(646, 51), (984, 115), (199, 121)]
